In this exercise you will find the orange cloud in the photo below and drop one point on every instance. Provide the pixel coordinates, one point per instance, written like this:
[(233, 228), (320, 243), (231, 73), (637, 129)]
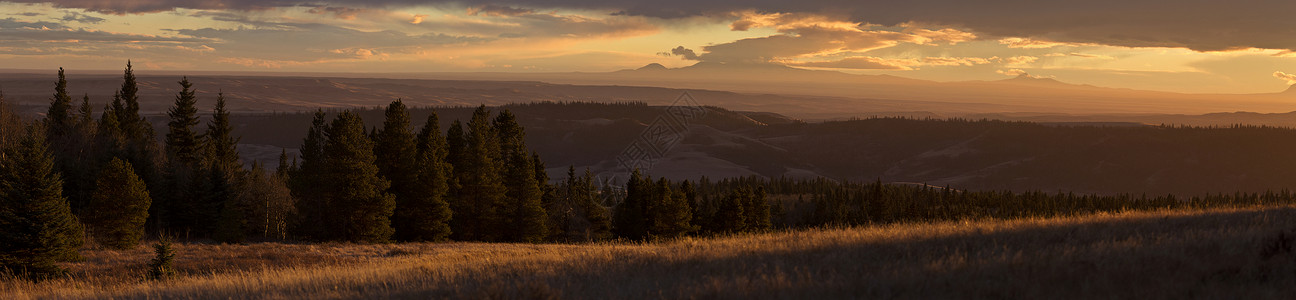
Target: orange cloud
[(1290, 78), (955, 61), (1012, 72), (1026, 43), (498, 11), (859, 63)]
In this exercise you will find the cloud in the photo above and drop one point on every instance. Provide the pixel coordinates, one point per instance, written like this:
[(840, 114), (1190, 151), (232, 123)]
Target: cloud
[(858, 63), (72, 16), (1080, 55), (1020, 60), (312, 42), (344, 13), (950, 35), (1012, 72), (498, 11), (955, 61), (1290, 78), (1026, 43), (684, 53), (801, 43), (417, 19), (814, 36)]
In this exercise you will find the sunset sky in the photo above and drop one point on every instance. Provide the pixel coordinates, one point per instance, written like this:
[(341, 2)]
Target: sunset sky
[(1182, 46)]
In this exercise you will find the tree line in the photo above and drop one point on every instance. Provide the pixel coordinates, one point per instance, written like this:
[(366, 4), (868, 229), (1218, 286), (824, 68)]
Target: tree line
[(70, 178)]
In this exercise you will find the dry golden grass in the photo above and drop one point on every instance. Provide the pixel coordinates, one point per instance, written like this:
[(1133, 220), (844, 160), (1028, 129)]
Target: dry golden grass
[(1229, 253)]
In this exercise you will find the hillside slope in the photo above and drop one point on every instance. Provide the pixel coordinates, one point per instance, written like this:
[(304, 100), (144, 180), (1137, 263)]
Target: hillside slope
[(1236, 253)]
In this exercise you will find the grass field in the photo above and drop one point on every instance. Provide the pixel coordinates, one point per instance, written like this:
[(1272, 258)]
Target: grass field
[(1233, 253)]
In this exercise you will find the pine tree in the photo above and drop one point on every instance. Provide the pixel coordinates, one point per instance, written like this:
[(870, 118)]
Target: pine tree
[(223, 174), (222, 144), (284, 167), (523, 206), (37, 227), (630, 219), (109, 139), (729, 217), (395, 150), (757, 211), (178, 208), (363, 208), (81, 165), (307, 182), (160, 267), (542, 179), (85, 112), (689, 192), (455, 147), (183, 144), (69, 137), (58, 120), (671, 216), (119, 207), (127, 109), (482, 191), (595, 214), (425, 215), (575, 214), (139, 147)]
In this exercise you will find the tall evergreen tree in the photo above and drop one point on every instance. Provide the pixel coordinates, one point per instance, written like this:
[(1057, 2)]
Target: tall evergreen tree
[(630, 219), (37, 227), (307, 182), (595, 213), (547, 193), (729, 217), (109, 139), (183, 144), (284, 167), (139, 147), (178, 207), (575, 213), (757, 211), (225, 170), (362, 207), (455, 145), (128, 109), (523, 207), (483, 215), (395, 150), (222, 144), (70, 137), (671, 215), (85, 113), (425, 214), (119, 207), (59, 119)]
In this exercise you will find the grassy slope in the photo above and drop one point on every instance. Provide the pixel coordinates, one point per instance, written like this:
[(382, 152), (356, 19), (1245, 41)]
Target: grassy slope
[(1236, 253)]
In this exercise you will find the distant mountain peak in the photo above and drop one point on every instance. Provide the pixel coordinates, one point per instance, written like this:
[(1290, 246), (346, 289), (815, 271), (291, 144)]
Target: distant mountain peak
[(652, 67), (1290, 90), (1031, 79)]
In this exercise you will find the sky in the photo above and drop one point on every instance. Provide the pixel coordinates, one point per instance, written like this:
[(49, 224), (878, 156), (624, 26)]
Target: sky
[(1197, 46)]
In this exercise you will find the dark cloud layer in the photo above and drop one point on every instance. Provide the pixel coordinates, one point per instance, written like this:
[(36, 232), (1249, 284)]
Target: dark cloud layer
[(1198, 25)]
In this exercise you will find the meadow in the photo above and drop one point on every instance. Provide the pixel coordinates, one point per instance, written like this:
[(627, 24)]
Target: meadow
[(1215, 253)]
